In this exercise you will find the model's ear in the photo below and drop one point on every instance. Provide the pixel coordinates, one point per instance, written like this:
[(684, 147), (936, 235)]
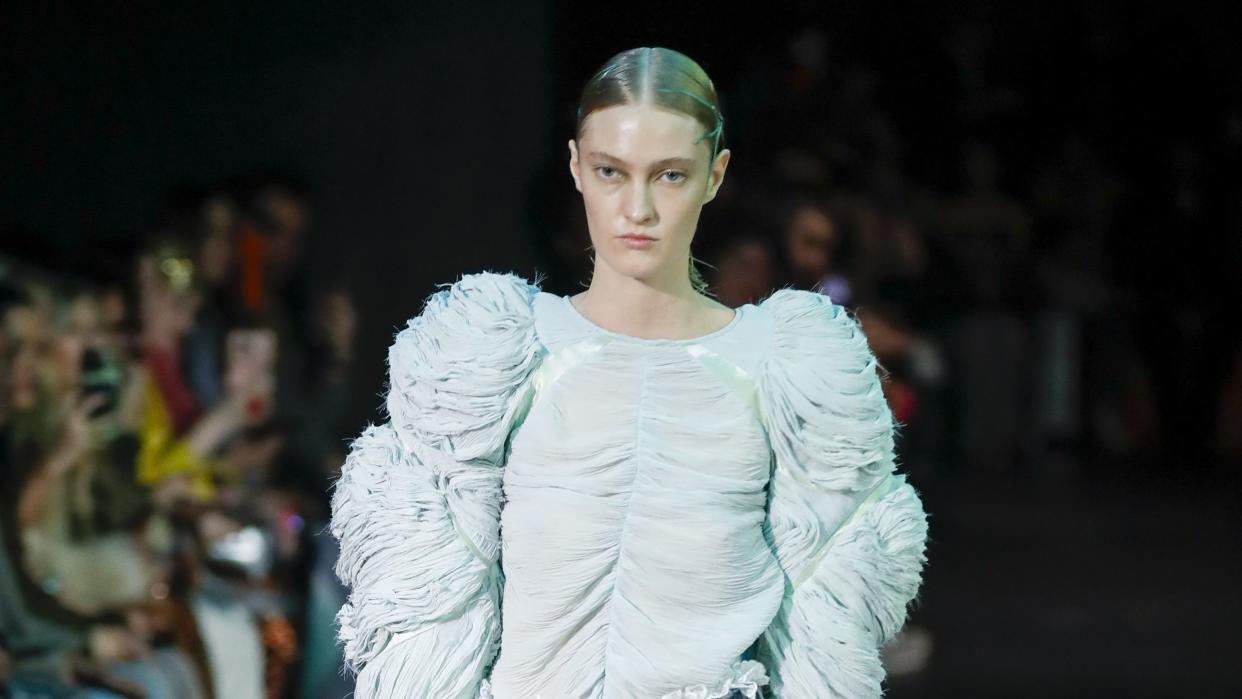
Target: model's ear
[(574, 168), (715, 178)]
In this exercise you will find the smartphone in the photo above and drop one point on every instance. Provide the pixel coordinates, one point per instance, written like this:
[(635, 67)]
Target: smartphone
[(101, 376)]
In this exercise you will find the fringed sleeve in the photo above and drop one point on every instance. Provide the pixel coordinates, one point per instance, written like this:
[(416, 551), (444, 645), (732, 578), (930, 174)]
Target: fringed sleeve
[(848, 531), (417, 506)]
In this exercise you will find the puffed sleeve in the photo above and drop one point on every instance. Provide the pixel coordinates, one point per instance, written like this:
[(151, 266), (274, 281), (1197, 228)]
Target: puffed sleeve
[(849, 532), (417, 506)]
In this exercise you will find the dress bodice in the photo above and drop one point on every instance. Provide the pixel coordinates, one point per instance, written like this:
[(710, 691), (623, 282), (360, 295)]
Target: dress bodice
[(632, 528), (552, 510)]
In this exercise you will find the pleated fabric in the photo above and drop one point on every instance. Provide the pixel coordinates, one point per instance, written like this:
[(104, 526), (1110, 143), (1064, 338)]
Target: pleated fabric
[(557, 511), (849, 532), (417, 507), (633, 549)]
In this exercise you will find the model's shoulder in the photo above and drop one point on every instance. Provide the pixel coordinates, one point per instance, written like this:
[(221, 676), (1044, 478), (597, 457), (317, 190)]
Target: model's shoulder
[(799, 307), (464, 355), (475, 299), (820, 388), (497, 279), (487, 292), (808, 324)]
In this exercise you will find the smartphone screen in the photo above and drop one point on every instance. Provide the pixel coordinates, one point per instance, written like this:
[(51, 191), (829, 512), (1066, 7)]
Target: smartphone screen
[(100, 376)]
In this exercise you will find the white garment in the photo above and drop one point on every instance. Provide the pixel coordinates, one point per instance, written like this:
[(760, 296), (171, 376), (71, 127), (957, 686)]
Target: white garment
[(554, 510), (632, 530)]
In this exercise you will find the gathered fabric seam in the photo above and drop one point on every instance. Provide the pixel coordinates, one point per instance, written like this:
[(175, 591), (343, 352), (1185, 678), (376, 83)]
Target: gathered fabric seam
[(638, 435)]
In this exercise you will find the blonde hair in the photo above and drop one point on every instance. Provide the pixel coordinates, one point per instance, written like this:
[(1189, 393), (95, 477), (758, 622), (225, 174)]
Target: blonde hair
[(664, 78)]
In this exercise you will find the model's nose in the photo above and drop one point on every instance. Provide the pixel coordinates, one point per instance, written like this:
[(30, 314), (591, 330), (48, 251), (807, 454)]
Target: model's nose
[(639, 207)]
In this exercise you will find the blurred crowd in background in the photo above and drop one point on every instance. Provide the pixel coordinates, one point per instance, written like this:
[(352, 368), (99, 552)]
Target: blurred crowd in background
[(170, 429), (172, 415)]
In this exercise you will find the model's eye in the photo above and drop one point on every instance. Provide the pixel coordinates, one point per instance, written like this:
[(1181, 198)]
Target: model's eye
[(680, 176), (608, 173)]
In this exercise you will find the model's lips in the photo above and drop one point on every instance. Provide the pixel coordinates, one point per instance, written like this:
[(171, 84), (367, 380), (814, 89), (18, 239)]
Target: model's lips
[(636, 241)]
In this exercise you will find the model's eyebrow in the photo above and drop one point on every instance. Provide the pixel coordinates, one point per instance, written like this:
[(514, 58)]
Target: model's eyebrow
[(680, 162)]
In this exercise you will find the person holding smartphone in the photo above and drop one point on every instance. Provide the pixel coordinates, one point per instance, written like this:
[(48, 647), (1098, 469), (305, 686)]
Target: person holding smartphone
[(180, 439)]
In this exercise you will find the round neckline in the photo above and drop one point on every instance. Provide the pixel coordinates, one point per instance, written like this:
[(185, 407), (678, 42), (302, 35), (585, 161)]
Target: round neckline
[(573, 311)]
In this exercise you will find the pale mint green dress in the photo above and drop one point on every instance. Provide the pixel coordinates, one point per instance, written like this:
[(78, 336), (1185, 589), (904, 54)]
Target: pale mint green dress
[(555, 510)]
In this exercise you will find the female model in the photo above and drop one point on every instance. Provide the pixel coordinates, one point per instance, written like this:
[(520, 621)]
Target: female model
[(634, 492)]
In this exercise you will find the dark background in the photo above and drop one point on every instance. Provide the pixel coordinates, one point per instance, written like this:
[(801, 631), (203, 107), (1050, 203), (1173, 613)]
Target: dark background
[(432, 136), (428, 131)]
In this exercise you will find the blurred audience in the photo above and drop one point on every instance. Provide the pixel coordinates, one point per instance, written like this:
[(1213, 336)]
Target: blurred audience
[(168, 438)]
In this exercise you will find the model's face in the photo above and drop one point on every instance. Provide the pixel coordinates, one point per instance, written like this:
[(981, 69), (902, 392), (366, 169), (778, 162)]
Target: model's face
[(641, 173)]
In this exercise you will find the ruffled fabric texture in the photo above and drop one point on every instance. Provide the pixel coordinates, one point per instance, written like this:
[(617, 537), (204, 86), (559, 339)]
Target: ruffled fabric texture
[(849, 533), (634, 554), (417, 507), (832, 566), (745, 676)]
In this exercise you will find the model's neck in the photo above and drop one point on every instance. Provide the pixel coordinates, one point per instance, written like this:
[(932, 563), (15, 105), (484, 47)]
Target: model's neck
[(667, 308)]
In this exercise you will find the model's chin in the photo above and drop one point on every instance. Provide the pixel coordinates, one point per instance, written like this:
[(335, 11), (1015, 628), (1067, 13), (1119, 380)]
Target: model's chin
[(637, 264)]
